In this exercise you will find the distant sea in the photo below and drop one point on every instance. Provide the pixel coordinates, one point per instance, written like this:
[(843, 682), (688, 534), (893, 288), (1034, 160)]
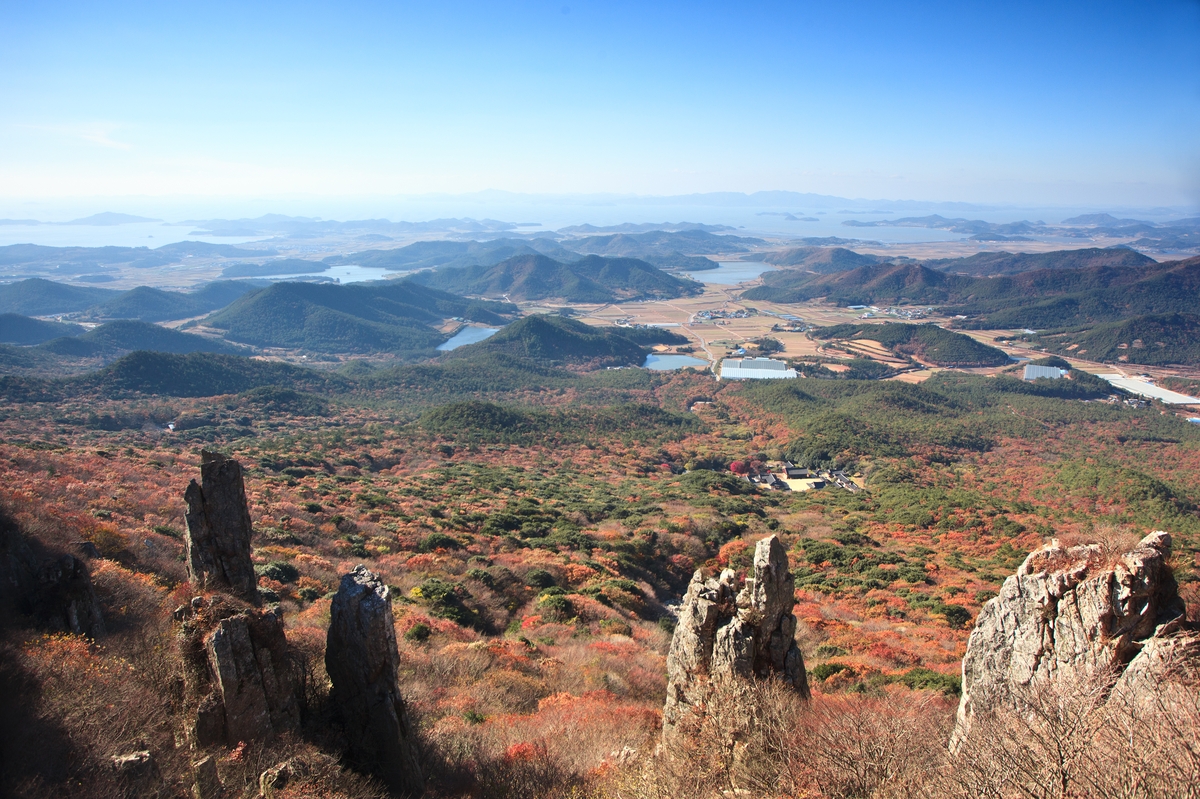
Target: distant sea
[(137, 234), (537, 215)]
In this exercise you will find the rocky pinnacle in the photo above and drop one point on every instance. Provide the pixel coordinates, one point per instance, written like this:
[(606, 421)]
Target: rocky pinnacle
[(219, 529), (362, 660), (726, 634)]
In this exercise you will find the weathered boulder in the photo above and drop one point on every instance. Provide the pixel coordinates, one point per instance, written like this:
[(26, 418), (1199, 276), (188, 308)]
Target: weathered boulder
[(274, 780), (361, 659), (1072, 613), (138, 771), (726, 634), (54, 590), (255, 683), (219, 529)]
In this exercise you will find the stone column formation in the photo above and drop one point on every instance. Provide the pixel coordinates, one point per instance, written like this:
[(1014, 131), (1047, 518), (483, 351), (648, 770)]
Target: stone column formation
[(1073, 612), (219, 529), (725, 634), (362, 660), (255, 681)]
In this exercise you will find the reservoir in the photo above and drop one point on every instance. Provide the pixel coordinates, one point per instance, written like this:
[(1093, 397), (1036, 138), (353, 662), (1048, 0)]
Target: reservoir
[(730, 273), (349, 273), (468, 335), (663, 363)]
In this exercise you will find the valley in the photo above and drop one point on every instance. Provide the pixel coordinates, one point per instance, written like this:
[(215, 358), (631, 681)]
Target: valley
[(536, 503)]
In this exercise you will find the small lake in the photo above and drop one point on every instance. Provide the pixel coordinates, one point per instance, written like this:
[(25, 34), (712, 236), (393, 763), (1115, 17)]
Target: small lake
[(349, 273), (730, 273), (468, 335), (664, 363)]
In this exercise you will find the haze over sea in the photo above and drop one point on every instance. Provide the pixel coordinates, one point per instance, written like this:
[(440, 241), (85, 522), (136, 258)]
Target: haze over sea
[(814, 217)]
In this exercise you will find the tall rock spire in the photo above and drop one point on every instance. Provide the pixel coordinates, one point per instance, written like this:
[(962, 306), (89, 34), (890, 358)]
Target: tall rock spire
[(219, 529), (362, 660)]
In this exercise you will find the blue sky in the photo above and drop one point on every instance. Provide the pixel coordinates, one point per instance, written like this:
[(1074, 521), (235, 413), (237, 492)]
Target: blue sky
[(1045, 103)]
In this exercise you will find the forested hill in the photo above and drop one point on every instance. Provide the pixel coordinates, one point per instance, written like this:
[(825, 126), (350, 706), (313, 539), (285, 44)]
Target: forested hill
[(661, 242), (17, 329), (828, 260), (1041, 299), (1153, 340), (535, 277), (429, 254), (382, 316), (679, 249), (874, 283), (824, 260), (986, 264), (127, 335), (155, 305), (558, 340), (1065, 298), (39, 297), (929, 343), (196, 375)]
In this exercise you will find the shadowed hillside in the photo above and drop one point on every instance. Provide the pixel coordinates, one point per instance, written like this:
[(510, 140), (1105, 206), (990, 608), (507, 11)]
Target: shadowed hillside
[(875, 283), (198, 375), (156, 305), (428, 254), (128, 335), (38, 297), (17, 329), (1040, 299), (986, 264)]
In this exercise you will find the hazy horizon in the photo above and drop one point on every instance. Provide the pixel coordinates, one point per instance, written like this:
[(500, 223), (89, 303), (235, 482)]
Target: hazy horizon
[(770, 215)]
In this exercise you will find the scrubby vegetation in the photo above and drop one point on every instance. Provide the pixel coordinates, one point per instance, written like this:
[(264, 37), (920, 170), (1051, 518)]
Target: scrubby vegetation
[(537, 519)]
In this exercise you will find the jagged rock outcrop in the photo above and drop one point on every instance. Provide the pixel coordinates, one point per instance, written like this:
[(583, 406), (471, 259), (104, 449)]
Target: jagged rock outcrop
[(1074, 613), (726, 634), (252, 681), (219, 529), (361, 659), (54, 591)]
